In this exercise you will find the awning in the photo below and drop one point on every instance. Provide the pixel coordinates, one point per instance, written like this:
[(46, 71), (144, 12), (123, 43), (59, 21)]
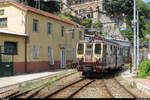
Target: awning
[(12, 33)]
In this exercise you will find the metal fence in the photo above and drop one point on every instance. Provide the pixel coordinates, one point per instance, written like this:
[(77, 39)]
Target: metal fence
[(6, 62)]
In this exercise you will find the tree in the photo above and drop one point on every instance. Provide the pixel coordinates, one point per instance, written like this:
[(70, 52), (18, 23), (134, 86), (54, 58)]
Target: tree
[(50, 6), (118, 7), (144, 8)]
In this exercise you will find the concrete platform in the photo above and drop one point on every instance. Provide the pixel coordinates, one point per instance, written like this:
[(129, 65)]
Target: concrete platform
[(141, 84), (16, 79)]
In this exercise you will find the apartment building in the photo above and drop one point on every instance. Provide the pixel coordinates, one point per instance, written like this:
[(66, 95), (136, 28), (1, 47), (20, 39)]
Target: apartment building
[(83, 8)]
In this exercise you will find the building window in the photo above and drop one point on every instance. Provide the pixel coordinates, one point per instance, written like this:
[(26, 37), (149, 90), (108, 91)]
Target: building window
[(49, 28), (50, 55), (62, 31), (35, 52), (35, 23), (3, 22), (50, 52), (1, 11), (10, 48), (80, 35), (73, 54)]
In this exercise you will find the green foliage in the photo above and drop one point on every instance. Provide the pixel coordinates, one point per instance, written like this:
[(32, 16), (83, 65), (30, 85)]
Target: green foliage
[(117, 7), (144, 69), (87, 23), (98, 24), (51, 6), (75, 19), (128, 33), (143, 8), (63, 16), (69, 17)]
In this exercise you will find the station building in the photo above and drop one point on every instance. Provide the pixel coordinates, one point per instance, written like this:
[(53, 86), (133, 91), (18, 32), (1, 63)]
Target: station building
[(40, 40)]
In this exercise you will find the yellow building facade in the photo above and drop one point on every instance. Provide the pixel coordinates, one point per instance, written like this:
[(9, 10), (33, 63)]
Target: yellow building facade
[(44, 41)]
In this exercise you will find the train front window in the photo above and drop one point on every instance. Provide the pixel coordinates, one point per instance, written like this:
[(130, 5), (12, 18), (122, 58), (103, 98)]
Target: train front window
[(80, 48), (89, 49), (97, 48)]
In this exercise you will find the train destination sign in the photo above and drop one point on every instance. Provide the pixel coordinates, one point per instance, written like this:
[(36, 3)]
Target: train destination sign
[(124, 29)]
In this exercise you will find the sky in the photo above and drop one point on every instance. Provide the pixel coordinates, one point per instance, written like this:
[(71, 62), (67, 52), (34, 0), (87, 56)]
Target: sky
[(146, 0)]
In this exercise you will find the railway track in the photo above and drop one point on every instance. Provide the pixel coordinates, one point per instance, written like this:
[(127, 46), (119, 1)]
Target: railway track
[(134, 96), (116, 89), (97, 89), (73, 89), (70, 90), (106, 88), (30, 92)]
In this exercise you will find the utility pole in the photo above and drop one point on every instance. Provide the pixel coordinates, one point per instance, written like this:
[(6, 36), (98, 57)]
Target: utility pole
[(39, 5), (36, 4), (138, 51), (134, 49)]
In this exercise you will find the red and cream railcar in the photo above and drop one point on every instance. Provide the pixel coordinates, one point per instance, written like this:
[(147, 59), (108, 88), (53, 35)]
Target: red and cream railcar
[(98, 55)]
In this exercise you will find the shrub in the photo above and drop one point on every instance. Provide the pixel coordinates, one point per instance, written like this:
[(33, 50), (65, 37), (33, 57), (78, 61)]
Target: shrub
[(144, 69)]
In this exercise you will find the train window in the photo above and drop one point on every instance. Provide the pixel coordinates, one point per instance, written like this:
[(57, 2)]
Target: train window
[(105, 50), (120, 51), (111, 50), (97, 48), (80, 48), (89, 49), (117, 51)]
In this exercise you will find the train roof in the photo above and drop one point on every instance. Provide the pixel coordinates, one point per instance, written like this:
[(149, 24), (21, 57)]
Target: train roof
[(95, 39), (123, 43)]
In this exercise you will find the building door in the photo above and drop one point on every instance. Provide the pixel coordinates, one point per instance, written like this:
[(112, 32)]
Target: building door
[(6, 63), (63, 58)]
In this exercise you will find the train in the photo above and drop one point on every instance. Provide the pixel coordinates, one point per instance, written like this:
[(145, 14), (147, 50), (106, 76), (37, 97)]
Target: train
[(98, 55)]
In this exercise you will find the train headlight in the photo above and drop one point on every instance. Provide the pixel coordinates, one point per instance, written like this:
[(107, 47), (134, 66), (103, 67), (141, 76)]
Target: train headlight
[(80, 60), (97, 59)]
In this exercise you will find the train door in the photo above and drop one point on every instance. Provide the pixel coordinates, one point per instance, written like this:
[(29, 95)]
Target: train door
[(89, 52), (116, 50), (104, 54)]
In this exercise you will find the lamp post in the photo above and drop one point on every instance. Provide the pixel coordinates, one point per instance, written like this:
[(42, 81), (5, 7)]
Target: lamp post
[(148, 36), (134, 65)]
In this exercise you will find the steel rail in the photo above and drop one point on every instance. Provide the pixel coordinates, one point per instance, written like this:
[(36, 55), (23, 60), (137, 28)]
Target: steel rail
[(74, 93), (133, 95), (108, 91), (11, 94), (57, 91), (16, 84), (38, 88)]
